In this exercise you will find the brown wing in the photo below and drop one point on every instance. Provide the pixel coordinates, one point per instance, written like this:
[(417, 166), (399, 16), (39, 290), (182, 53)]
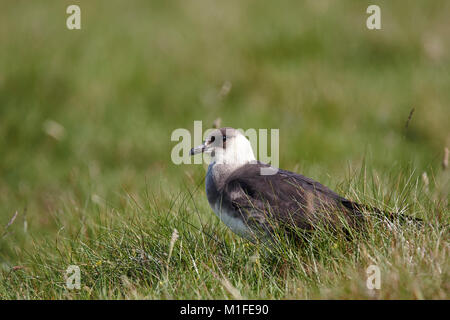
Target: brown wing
[(285, 198)]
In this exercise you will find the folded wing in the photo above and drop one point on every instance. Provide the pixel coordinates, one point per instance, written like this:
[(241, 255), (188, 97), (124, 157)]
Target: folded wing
[(285, 198)]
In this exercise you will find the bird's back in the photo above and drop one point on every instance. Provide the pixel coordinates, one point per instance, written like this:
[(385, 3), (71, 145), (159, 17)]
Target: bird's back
[(285, 198)]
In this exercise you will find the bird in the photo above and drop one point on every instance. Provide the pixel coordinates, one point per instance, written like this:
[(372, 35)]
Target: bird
[(255, 200)]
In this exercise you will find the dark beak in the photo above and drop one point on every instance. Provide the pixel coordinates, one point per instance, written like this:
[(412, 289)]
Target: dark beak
[(196, 150)]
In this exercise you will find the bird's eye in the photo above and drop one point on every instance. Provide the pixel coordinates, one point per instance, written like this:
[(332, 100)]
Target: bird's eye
[(224, 138), (212, 139)]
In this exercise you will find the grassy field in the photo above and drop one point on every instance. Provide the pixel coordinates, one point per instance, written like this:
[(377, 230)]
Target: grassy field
[(86, 118)]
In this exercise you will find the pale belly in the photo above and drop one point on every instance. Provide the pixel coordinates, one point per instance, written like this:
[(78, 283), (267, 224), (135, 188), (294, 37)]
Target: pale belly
[(235, 224)]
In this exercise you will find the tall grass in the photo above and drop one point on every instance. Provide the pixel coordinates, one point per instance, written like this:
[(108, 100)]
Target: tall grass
[(162, 246)]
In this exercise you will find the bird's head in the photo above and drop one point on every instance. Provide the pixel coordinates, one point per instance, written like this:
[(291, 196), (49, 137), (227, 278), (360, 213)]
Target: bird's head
[(226, 146)]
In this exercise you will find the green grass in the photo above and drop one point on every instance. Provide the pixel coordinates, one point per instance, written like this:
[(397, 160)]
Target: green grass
[(85, 124)]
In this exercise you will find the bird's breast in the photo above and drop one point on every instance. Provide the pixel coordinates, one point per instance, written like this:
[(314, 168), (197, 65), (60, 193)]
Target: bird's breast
[(233, 220), (225, 211)]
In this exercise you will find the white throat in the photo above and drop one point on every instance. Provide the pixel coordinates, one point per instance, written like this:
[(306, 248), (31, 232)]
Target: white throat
[(237, 153)]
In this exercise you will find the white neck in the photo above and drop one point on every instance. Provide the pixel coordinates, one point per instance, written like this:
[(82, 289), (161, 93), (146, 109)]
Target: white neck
[(237, 153)]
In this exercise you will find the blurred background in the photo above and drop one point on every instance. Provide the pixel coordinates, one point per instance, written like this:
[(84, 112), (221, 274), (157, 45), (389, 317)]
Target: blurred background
[(87, 114)]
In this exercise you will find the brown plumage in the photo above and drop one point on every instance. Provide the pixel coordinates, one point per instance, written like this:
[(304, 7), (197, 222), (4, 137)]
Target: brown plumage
[(285, 199)]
